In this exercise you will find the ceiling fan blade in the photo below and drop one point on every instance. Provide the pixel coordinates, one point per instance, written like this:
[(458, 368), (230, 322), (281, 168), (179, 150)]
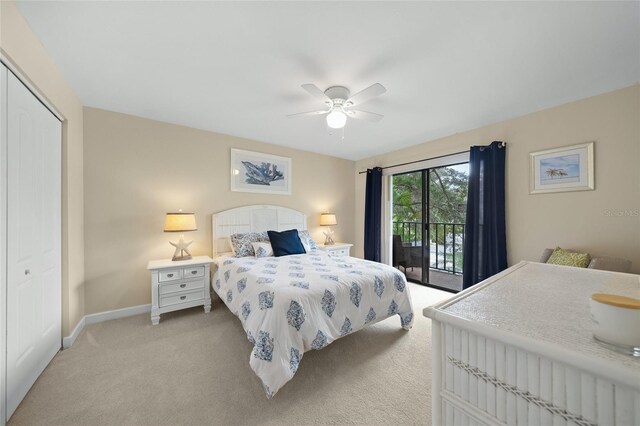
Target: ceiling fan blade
[(302, 114), (366, 94), (365, 115), (316, 93)]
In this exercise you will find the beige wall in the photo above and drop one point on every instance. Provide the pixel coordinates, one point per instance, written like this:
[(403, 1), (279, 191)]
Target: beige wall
[(136, 170), (23, 49), (605, 221)]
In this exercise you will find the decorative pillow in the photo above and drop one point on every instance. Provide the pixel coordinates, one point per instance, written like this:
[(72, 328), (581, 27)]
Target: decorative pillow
[(286, 243), (262, 249), (308, 242), (569, 258), (241, 243)]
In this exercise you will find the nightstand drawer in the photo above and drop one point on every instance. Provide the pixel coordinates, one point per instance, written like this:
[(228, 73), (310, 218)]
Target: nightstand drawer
[(337, 249), (194, 272), (169, 275), (181, 286), (182, 297), (339, 252)]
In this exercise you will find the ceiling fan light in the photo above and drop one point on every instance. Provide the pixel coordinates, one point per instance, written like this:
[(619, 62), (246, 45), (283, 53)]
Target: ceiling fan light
[(336, 119)]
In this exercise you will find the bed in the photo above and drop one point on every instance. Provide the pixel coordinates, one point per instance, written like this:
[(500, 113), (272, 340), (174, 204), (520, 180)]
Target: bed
[(292, 304)]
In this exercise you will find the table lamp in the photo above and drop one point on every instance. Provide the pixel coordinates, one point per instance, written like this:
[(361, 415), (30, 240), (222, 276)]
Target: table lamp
[(180, 222), (328, 219)]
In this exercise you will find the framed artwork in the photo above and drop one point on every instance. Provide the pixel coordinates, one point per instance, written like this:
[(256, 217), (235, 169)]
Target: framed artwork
[(258, 172), (569, 168)]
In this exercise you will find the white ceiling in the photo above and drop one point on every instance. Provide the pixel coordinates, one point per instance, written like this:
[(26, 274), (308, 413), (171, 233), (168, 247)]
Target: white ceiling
[(237, 67)]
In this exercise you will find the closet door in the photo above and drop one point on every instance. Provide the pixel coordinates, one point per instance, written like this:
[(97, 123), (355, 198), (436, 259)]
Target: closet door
[(33, 239)]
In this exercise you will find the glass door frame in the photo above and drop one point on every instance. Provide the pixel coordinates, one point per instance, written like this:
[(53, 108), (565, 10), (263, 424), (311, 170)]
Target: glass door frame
[(426, 229)]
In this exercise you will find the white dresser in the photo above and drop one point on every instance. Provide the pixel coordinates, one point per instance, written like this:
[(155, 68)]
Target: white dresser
[(179, 284), (518, 349)]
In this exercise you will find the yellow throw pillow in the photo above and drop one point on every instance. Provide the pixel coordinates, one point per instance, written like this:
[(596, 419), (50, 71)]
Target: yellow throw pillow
[(569, 258)]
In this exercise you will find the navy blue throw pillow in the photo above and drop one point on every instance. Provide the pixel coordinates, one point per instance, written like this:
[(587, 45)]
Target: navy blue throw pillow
[(286, 243)]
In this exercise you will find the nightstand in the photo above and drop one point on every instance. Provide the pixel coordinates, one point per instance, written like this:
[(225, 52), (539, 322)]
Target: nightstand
[(337, 249), (178, 285)]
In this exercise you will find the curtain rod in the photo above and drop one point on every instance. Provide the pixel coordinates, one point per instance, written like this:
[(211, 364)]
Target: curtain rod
[(502, 145), (417, 161)]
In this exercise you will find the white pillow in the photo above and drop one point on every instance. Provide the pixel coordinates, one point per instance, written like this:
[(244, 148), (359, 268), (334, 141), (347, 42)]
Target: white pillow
[(262, 249)]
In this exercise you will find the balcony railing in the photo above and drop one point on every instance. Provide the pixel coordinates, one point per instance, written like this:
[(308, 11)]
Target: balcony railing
[(445, 248)]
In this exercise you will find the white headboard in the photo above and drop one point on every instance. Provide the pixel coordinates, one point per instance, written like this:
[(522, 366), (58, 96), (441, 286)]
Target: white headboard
[(255, 218)]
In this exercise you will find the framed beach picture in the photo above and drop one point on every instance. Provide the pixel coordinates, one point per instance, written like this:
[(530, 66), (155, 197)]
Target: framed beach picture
[(258, 172), (569, 168)]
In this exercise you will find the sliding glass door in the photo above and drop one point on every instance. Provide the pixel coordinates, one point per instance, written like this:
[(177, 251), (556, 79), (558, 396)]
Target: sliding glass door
[(428, 217)]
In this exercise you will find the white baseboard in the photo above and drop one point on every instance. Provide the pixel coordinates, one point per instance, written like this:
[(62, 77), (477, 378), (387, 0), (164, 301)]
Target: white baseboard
[(117, 313), (68, 341)]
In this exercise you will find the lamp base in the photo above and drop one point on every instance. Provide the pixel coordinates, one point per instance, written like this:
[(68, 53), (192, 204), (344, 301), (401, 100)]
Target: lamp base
[(328, 241), (182, 250), (185, 257)]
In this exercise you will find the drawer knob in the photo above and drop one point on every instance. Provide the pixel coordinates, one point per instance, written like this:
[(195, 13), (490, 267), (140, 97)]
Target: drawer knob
[(183, 297), (194, 272), (169, 275), (183, 285)]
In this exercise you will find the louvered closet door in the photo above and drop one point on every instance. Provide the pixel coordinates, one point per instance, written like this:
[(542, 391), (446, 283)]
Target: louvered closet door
[(33, 240)]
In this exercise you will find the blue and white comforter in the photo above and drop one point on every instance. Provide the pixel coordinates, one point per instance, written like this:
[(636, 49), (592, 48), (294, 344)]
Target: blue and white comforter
[(289, 305)]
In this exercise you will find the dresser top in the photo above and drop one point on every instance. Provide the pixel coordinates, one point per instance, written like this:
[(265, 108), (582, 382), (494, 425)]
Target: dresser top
[(547, 303), (168, 263)]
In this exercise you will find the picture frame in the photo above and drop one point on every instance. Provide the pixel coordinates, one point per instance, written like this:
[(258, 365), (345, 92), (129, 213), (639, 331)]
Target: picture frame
[(260, 173), (568, 168)]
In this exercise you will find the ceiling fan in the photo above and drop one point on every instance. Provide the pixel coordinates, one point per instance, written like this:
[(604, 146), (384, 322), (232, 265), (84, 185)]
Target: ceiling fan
[(339, 102)]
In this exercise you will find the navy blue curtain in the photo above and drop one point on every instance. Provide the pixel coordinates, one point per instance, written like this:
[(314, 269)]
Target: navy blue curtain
[(373, 214), (485, 241)]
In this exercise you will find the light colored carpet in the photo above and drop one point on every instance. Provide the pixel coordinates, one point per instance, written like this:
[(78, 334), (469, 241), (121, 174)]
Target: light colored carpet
[(193, 368)]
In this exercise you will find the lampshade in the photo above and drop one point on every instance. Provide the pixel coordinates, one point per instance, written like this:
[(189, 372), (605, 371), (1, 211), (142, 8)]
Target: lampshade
[(180, 222), (328, 219), (336, 119)]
